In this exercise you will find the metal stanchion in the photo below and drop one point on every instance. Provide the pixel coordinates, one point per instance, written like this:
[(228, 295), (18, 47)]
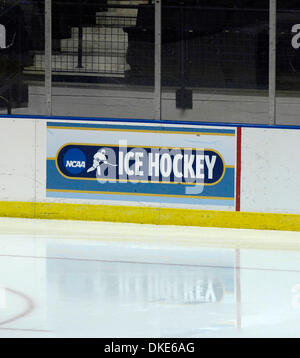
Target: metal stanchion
[(272, 62), (48, 56), (80, 39), (157, 67)]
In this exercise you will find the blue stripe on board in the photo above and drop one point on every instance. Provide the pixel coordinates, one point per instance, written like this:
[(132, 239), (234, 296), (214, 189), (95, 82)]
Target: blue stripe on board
[(153, 199), (133, 120), (141, 127), (224, 189)]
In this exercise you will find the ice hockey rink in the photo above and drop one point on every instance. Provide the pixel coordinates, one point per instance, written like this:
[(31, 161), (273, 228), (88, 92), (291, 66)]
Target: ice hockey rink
[(95, 279)]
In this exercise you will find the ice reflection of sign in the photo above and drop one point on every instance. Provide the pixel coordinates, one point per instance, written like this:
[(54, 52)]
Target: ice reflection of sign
[(163, 285), (186, 297), (2, 297)]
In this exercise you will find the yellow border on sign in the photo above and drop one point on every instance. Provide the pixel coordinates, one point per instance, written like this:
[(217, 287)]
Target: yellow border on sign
[(151, 215), (139, 194), (140, 131)]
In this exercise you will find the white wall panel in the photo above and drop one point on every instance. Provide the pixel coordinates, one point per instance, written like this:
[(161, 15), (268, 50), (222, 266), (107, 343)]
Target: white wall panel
[(270, 170), (17, 159)]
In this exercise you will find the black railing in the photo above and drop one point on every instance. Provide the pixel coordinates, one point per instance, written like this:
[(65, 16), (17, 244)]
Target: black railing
[(207, 46), (97, 49)]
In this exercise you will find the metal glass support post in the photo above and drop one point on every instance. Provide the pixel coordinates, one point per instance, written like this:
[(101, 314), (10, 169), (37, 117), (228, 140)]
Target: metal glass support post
[(157, 66), (80, 38), (48, 56), (272, 62)]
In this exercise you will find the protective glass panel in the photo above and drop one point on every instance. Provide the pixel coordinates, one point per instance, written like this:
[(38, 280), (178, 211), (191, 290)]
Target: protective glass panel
[(215, 60), (102, 58), (21, 36), (288, 62)]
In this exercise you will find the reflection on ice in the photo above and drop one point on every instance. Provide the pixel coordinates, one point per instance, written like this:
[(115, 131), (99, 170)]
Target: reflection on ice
[(57, 285), (146, 299)]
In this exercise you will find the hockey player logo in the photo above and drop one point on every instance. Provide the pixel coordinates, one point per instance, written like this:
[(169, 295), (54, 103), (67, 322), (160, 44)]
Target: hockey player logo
[(100, 158)]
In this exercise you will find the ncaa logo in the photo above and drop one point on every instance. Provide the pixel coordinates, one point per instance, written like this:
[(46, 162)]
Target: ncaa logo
[(74, 161)]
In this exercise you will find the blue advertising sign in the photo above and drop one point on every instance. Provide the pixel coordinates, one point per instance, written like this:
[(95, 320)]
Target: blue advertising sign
[(161, 163)]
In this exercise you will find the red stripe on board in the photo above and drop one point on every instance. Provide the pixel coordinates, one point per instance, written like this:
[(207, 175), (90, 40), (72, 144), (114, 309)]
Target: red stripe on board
[(238, 169)]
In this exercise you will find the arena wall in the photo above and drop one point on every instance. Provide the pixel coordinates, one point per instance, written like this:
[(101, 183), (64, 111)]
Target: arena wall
[(260, 188)]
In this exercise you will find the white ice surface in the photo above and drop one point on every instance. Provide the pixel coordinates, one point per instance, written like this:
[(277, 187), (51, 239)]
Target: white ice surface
[(87, 279)]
